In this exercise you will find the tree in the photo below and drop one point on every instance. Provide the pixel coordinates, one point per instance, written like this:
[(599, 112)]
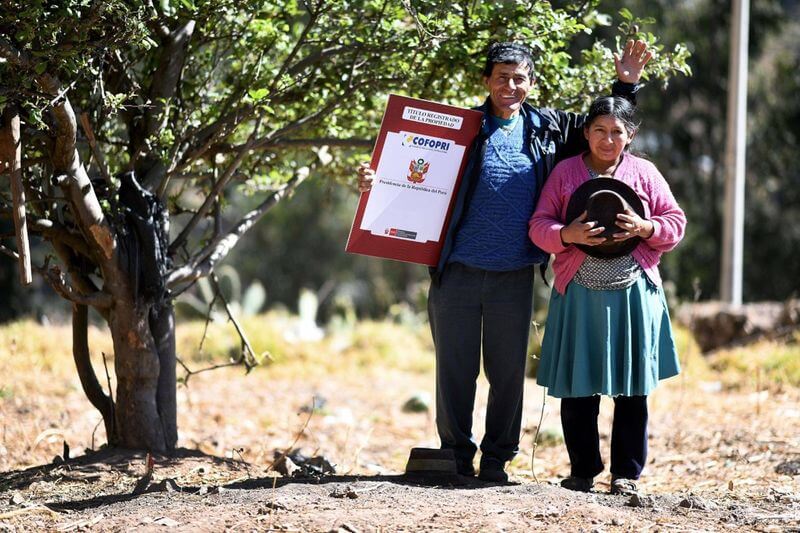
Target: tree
[(182, 102)]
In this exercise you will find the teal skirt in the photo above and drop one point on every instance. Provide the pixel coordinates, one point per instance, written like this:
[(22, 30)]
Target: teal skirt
[(612, 342)]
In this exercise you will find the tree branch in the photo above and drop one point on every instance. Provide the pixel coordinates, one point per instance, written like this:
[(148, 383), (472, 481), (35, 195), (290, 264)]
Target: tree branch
[(215, 191), (9, 52), (300, 143), (206, 137), (163, 88), (11, 156), (66, 160), (203, 263), (91, 386), (98, 155), (54, 231), (247, 355), (78, 269), (57, 280), (160, 29), (275, 135), (10, 253), (199, 143), (301, 40)]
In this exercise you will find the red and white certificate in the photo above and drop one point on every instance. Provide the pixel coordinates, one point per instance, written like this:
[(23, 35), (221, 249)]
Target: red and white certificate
[(419, 159)]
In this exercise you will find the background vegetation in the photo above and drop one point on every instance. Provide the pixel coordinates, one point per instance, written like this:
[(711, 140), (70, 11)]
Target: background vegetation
[(300, 243), (683, 132)]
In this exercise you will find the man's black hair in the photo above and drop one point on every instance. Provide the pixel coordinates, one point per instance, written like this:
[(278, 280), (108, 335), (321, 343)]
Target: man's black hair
[(508, 53)]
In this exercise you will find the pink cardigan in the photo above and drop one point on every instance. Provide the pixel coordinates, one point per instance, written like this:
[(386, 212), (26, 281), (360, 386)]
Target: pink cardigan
[(660, 208)]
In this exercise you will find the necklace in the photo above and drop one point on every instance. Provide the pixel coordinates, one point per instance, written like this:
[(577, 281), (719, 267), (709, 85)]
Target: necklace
[(606, 171)]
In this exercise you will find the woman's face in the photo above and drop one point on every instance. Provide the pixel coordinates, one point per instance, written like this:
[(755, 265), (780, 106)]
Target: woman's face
[(607, 138)]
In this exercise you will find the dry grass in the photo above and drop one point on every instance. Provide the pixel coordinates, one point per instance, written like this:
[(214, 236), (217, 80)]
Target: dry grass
[(715, 423), (766, 364)]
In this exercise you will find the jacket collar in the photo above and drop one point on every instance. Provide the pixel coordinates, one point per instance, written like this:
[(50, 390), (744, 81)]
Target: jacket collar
[(531, 115)]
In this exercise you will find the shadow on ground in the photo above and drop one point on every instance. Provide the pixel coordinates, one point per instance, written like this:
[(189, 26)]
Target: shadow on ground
[(131, 464)]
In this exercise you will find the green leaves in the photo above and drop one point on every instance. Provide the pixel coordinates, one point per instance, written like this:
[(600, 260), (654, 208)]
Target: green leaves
[(304, 69), (257, 94)]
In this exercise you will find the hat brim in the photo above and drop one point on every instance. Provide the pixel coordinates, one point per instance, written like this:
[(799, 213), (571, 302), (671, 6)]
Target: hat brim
[(577, 205)]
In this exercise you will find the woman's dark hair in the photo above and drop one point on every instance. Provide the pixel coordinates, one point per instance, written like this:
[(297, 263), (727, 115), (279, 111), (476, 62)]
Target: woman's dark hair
[(614, 106), (508, 53)]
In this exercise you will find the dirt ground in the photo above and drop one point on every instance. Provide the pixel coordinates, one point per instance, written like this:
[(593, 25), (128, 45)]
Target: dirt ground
[(720, 459)]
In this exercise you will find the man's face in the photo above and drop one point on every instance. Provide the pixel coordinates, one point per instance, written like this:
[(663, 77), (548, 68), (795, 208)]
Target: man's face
[(508, 87)]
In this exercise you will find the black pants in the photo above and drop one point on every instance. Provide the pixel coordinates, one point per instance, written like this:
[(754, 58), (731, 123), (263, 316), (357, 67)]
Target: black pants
[(628, 436), (472, 311)]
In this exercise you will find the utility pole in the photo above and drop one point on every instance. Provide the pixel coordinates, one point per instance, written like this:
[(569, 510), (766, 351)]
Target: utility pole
[(735, 151)]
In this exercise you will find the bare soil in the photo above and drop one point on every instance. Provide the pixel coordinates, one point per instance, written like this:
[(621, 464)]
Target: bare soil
[(719, 460)]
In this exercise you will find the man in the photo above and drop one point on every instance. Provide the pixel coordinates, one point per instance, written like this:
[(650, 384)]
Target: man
[(481, 292)]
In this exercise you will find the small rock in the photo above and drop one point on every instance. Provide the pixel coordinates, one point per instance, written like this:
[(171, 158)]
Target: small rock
[(16, 499), (788, 468), (295, 464), (285, 466), (693, 502), (617, 521), (638, 500), (344, 528), (419, 403), (166, 522), (346, 492), (169, 485), (785, 495), (271, 506)]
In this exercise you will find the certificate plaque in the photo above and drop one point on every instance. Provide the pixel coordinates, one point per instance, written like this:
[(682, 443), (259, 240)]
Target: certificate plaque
[(419, 159)]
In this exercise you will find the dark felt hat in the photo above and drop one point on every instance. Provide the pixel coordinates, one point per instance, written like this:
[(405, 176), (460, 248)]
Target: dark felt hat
[(603, 199)]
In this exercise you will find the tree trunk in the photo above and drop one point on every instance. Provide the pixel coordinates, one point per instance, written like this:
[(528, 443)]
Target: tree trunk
[(142, 324), (142, 421), (162, 324)]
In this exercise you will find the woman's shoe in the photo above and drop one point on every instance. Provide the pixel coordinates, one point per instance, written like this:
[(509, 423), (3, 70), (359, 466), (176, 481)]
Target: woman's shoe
[(623, 486), (581, 484)]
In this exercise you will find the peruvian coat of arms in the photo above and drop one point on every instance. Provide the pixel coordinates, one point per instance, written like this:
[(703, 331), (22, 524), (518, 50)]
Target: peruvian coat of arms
[(418, 168)]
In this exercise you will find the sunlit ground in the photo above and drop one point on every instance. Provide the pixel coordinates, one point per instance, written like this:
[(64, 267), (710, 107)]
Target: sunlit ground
[(722, 426)]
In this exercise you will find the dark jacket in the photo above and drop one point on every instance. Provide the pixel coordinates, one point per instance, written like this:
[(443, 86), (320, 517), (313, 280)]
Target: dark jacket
[(552, 136)]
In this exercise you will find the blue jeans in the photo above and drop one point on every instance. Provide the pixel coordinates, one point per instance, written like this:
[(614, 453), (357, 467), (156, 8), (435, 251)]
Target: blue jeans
[(470, 310)]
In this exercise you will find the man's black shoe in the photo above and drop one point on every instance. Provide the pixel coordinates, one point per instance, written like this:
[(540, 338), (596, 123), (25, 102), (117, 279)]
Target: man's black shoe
[(580, 484), (465, 468), (492, 470)]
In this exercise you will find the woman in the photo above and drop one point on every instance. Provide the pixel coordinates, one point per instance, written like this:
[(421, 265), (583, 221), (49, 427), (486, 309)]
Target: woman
[(608, 330)]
